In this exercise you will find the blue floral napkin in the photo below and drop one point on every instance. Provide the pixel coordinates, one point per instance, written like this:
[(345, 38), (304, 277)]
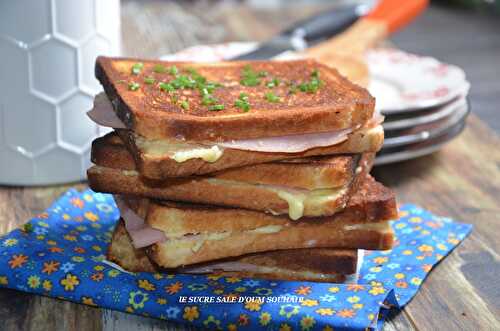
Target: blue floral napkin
[(60, 254)]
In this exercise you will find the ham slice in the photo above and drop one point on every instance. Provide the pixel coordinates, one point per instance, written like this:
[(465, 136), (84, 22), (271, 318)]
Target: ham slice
[(142, 235), (102, 113), (289, 144), (146, 236)]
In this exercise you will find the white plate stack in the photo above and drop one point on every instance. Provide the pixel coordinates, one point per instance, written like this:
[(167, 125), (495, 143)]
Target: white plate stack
[(424, 102)]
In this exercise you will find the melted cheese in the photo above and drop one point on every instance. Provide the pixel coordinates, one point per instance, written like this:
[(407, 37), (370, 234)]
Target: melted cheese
[(297, 200), (266, 229), (206, 154), (314, 199), (379, 226), (295, 203), (202, 238), (178, 150)]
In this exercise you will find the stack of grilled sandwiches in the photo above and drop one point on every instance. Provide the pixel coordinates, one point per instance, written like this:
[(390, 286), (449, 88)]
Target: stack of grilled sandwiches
[(257, 169)]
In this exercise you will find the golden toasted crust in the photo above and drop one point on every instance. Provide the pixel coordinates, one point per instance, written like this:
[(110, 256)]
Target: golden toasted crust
[(371, 203), (314, 264), (365, 140), (307, 173), (338, 104), (193, 239), (336, 234), (371, 200), (226, 193), (223, 192)]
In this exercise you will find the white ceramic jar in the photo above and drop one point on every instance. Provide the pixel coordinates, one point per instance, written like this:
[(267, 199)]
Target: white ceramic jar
[(47, 84)]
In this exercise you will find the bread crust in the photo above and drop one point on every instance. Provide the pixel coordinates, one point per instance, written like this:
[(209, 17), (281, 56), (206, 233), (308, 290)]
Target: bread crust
[(372, 199), (314, 264), (171, 254), (240, 195), (339, 105), (308, 173), (366, 140)]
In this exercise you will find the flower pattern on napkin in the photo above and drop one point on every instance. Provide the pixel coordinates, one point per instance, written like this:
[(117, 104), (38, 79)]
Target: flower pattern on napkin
[(61, 252)]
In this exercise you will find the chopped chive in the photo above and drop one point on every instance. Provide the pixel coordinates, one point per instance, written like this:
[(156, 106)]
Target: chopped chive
[(216, 107), (149, 80), (166, 87), (273, 83), (174, 99), (133, 86), (313, 84), (249, 77), (173, 70), (183, 81), (242, 102), (121, 81), (185, 104), (271, 97), (243, 105), (137, 68), (159, 68), (207, 99)]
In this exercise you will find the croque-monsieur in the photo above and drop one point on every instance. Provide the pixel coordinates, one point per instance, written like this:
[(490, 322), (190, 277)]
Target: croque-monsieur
[(257, 169), (181, 119)]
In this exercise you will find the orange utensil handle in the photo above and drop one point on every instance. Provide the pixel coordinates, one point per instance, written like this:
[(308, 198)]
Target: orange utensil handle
[(396, 14)]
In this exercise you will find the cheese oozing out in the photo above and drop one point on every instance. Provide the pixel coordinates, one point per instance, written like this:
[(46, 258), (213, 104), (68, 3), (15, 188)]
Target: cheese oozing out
[(296, 199)]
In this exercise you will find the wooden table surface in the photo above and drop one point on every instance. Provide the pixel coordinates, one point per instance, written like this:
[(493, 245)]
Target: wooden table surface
[(461, 181)]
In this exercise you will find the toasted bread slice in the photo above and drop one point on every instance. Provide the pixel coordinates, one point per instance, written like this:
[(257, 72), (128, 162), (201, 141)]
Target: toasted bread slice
[(310, 173), (201, 233), (151, 112), (276, 199), (156, 160), (191, 249), (314, 264), (273, 199)]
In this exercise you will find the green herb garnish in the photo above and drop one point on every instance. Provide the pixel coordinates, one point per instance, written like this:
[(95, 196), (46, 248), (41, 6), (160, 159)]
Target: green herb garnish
[(249, 77), (185, 104), (149, 80), (292, 89), (183, 81), (208, 100), (313, 84), (160, 69), (173, 70), (137, 68), (216, 107), (174, 99), (242, 102), (28, 227), (166, 87), (273, 83), (133, 86), (271, 97)]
